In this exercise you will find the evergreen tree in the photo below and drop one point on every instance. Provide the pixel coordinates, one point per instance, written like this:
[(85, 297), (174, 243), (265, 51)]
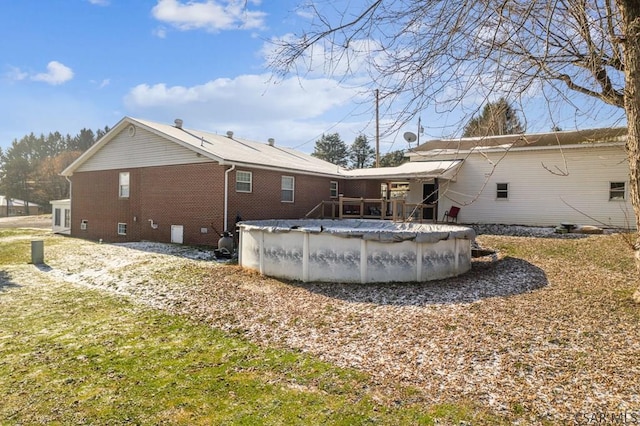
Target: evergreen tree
[(30, 168), (361, 154), (497, 118), (393, 158), (332, 149)]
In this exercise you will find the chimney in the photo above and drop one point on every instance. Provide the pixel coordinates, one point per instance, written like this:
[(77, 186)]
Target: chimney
[(230, 134), (178, 123), (271, 141)]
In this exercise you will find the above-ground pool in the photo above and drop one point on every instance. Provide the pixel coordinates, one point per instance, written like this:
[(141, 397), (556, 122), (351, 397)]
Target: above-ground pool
[(354, 250)]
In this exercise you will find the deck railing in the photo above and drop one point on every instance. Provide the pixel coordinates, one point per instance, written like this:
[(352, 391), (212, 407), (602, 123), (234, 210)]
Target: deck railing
[(372, 208)]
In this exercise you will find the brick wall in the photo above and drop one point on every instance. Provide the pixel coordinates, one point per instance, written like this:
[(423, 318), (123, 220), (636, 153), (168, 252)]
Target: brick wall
[(188, 195), (362, 188), (265, 202)]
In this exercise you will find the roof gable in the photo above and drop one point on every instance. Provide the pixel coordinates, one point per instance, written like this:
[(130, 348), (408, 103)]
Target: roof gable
[(120, 149)]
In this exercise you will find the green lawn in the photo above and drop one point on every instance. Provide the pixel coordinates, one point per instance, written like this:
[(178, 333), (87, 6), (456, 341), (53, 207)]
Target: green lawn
[(70, 355)]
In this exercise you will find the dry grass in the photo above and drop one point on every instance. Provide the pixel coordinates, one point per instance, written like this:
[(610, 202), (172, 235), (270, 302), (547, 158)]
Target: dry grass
[(545, 333)]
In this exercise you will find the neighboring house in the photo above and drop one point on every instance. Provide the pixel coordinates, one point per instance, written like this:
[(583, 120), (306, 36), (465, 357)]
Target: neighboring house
[(61, 216), (157, 182), (15, 207), (579, 177)]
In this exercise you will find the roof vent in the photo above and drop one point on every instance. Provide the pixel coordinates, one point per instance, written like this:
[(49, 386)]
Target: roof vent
[(271, 141), (230, 134), (178, 123)]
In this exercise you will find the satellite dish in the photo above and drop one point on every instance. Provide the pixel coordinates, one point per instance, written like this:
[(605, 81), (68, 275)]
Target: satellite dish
[(410, 137)]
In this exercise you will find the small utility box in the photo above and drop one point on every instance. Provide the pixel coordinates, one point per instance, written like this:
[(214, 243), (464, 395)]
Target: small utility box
[(37, 252)]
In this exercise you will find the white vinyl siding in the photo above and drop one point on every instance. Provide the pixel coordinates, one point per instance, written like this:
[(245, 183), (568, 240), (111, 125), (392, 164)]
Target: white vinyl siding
[(287, 189), (244, 181), (578, 195), (145, 149)]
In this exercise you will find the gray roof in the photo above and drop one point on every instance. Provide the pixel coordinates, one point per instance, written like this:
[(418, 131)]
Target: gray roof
[(413, 169), (15, 202), (232, 150), (575, 138), (235, 150)]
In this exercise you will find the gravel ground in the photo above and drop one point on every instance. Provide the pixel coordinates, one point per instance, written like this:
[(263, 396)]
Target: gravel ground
[(534, 339)]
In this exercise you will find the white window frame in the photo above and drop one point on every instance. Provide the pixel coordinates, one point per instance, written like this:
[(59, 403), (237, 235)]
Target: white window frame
[(122, 228), (84, 223), (67, 218), (123, 185), (239, 181), (57, 216), (620, 193), (502, 191), (333, 189), (287, 190)]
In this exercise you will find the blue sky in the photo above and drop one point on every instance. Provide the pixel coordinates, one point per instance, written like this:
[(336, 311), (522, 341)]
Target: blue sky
[(70, 64)]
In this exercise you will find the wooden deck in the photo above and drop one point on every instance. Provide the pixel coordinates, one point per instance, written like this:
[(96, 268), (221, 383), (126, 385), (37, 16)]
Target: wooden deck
[(372, 208)]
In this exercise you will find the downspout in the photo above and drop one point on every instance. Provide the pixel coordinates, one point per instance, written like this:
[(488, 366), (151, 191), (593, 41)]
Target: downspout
[(70, 218), (70, 185), (226, 195)]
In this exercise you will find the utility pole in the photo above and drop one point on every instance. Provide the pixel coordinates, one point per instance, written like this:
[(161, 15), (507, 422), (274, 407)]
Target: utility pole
[(377, 129)]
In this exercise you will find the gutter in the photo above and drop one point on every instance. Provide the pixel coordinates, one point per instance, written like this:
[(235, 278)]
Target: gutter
[(226, 196), (443, 152)]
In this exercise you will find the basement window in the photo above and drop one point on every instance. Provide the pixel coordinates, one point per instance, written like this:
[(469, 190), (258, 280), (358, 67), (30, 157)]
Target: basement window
[(288, 183), (244, 181), (617, 191), (122, 229), (502, 191), (124, 185)]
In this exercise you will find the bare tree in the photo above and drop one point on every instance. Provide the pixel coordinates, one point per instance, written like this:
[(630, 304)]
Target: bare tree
[(427, 52)]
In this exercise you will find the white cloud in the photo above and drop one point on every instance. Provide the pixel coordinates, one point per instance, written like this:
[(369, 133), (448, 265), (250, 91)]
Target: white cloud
[(292, 98), (101, 84), (160, 32), (99, 2), (57, 73), (210, 15), (293, 111), (16, 74)]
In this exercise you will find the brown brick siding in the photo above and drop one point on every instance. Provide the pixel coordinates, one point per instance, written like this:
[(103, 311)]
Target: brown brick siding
[(362, 188), (188, 195), (264, 202)]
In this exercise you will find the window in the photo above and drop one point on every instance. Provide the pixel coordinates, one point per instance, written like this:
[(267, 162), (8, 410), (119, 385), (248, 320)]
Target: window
[(502, 191), (122, 229), (243, 181), (617, 191), (83, 224), (287, 189), (67, 218), (56, 217), (333, 189), (124, 185)]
